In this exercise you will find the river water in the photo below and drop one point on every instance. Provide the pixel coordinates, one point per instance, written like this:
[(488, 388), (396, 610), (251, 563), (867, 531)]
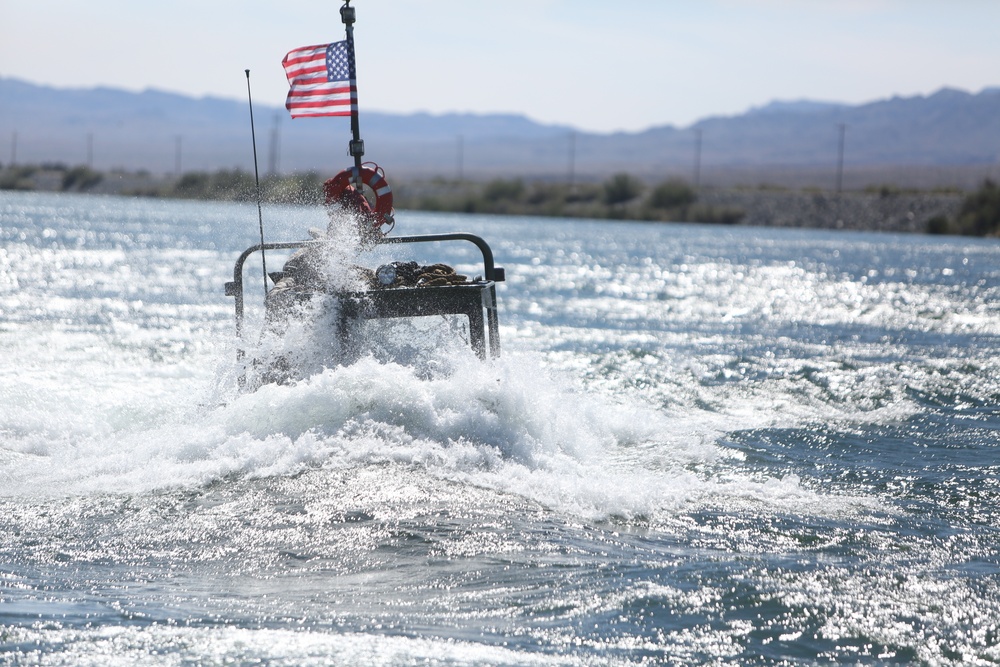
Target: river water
[(701, 445)]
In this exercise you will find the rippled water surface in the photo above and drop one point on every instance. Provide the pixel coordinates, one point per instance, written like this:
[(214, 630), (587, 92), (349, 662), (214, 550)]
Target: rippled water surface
[(702, 445)]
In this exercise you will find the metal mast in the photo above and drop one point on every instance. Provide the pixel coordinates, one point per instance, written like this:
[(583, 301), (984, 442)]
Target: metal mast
[(356, 147)]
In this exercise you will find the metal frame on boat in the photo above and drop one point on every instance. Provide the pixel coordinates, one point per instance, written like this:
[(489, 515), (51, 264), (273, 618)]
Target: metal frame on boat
[(476, 299)]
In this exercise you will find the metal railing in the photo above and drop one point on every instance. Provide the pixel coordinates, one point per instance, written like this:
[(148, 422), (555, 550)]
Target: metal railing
[(492, 274)]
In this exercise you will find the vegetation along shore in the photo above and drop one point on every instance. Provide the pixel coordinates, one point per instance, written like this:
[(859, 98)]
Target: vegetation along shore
[(621, 196)]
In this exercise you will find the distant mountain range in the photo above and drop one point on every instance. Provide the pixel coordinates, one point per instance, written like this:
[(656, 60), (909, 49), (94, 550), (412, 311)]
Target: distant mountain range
[(155, 130)]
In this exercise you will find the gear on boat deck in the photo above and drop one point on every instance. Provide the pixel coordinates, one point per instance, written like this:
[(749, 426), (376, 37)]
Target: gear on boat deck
[(395, 296)]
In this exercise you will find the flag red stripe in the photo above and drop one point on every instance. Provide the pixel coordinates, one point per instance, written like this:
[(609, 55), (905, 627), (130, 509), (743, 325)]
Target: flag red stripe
[(314, 115), (323, 90), (308, 101), (298, 101), (311, 93), (305, 53), (315, 81), (306, 71)]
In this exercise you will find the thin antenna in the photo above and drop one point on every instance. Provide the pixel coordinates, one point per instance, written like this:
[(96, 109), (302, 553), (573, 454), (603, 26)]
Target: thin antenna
[(697, 158), (572, 158), (842, 128), (256, 178)]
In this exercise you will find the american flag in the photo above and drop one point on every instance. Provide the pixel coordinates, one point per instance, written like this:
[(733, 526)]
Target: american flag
[(322, 80)]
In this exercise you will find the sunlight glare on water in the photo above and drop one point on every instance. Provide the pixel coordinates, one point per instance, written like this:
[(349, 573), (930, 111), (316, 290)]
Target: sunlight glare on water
[(700, 445)]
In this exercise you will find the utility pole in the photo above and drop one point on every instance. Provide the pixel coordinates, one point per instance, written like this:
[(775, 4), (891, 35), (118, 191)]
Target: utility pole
[(272, 165), (840, 157), (572, 158), (697, 157)]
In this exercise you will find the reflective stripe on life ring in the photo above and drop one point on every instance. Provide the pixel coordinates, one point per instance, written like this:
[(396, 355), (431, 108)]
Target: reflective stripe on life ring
[(335, 188)]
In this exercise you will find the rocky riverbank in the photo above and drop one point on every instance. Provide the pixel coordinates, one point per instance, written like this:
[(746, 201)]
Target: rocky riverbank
[(624, 197), (884, 211)]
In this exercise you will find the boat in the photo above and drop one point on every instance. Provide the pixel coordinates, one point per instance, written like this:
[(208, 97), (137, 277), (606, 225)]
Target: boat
[(399, 290), (359, 203)]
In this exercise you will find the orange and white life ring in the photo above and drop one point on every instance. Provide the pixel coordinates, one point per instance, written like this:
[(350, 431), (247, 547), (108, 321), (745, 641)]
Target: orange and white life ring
[(373, 177)]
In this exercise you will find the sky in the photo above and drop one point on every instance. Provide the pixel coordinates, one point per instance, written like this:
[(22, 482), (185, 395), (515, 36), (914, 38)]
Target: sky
[(594, 65)]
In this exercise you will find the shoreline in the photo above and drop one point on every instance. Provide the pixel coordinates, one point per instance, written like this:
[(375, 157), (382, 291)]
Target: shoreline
[(897, 212), (624, 197)]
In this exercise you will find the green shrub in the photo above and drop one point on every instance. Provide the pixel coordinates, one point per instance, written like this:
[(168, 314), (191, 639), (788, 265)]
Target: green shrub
[(884, 191), (672, 194), (583, 194), (235, 185), (504, 190), (546, 195), (225, 184), (717, 215), (939, 224), (304, 188), (81, 178), (621, 188), (18, 178), (980, 212), (193, 184), (471, 205)]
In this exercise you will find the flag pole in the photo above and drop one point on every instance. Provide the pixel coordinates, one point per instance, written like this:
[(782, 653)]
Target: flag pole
[(356, 147), (256, 177)]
